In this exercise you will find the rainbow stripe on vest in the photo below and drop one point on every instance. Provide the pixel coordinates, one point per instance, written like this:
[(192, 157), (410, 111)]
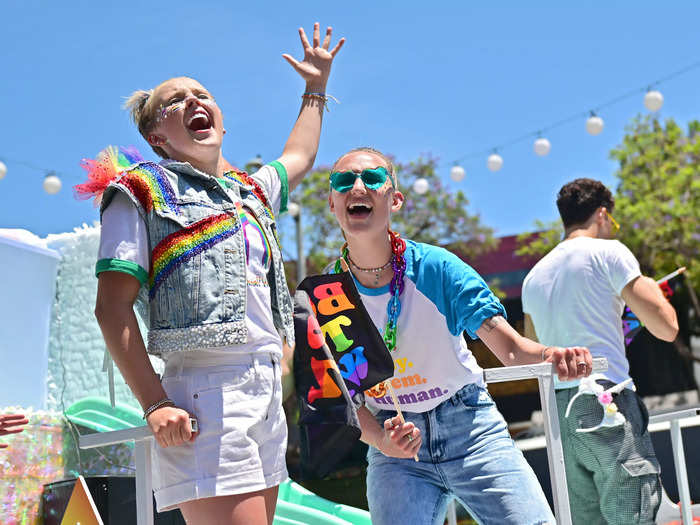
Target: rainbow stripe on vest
[(242, 178), (184, 244), (150, 185)]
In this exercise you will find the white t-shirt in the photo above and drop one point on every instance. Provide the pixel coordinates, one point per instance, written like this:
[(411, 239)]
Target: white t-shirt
[(573, 298), (443, 297), (124, 237)]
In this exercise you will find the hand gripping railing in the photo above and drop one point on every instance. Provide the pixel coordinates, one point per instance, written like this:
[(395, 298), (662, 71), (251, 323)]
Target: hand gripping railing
[(543, 372)]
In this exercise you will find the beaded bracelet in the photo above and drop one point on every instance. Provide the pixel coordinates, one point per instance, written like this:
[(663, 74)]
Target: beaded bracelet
[(158, 404), (323, 97)]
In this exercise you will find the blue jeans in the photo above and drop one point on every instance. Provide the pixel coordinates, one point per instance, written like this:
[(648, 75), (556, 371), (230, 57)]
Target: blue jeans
[(467, 454)]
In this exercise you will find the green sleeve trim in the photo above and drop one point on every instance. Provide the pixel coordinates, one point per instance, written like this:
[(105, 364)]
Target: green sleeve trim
[(119, 265), (284, 191)]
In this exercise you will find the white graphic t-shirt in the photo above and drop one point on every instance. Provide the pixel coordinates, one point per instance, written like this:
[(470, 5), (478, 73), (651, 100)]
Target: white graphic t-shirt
[(443, 297), (124, 237)]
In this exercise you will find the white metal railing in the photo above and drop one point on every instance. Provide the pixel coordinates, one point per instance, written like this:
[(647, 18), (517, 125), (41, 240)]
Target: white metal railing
[(674, 417), (141, 436), (543, 372)]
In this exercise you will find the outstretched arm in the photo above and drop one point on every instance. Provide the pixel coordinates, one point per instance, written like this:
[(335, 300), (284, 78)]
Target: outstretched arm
[(645, 299), (300, 150), (511, 348)]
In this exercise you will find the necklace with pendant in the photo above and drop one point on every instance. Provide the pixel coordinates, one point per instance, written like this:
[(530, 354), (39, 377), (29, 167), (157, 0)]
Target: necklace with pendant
[(376, 271)]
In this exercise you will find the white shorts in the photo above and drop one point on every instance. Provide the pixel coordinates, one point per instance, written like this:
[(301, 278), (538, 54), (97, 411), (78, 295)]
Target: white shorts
[(242, 440)]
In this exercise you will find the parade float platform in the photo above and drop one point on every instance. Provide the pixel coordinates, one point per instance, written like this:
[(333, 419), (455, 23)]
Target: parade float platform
[(55, 372), (57, 360)]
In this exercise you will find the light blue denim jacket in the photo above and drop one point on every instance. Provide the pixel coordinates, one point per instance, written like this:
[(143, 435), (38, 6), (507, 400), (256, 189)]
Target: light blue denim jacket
[(196, 290)]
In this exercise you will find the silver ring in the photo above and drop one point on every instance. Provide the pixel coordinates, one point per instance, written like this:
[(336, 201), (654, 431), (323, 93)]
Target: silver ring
[(581, 363), (410, 438)]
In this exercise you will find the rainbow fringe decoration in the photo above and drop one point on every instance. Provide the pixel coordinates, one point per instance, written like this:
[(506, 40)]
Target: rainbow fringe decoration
[(110, 162), (184, 244), (126, 167)]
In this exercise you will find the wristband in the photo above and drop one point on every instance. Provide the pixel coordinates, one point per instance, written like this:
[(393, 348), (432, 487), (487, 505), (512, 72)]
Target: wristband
[(323, 97), (158, 404), (543, 352)]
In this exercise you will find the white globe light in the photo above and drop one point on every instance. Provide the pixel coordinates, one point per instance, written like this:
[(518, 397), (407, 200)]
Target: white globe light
[(293, 209), (52, 184), (457, 173), (653, 100), (594, 125), (494, 162), (420, 186), (3, 170), (542, 147)]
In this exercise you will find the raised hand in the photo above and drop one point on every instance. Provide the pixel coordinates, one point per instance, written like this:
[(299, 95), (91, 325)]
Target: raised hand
[(316, 66)]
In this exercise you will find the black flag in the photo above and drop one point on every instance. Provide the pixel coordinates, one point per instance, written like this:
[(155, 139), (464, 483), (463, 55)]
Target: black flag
[(669, 284), (339, 354)]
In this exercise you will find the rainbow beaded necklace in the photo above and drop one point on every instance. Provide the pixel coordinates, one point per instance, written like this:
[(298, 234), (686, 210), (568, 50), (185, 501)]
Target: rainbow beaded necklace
[(393, 307)]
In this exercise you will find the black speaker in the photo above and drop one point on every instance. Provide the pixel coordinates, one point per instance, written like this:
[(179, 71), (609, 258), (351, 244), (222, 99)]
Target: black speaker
[(114, 497)]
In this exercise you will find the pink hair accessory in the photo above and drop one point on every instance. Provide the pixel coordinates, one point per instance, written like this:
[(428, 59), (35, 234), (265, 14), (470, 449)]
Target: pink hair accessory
[(611, 416), (605, 398)]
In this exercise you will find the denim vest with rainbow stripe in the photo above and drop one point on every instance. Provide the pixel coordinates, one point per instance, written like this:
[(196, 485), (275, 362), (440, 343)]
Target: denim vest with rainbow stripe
[(196, 291)]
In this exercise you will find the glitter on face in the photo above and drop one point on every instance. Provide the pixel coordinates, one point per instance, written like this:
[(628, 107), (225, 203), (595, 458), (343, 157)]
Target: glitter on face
[(170, 109), (179, 105)]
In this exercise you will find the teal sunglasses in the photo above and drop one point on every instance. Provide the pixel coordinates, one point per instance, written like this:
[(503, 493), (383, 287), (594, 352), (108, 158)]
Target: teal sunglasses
[(373, 179)]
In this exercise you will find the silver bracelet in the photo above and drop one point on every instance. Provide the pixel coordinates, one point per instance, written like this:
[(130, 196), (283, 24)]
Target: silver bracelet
[(158, 404), (543, 351)]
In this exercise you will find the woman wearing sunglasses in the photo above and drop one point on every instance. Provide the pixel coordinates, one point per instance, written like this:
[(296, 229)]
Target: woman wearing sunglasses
[(197, 239), (422, 298)]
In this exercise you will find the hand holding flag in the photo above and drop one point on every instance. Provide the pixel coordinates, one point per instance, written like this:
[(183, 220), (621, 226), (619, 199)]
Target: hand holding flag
[(631, 325)]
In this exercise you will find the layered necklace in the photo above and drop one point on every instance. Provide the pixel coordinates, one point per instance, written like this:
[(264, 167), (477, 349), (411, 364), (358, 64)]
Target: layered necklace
[(398, 264)]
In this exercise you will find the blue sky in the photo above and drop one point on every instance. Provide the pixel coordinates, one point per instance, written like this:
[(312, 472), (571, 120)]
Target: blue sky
[(440, 78)]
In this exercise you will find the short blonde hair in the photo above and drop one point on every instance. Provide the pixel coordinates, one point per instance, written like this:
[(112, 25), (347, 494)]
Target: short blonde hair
[(368, 149), (139, 104)]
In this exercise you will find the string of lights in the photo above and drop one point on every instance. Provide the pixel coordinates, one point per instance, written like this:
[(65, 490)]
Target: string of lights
[(52, 182), (653, 101)]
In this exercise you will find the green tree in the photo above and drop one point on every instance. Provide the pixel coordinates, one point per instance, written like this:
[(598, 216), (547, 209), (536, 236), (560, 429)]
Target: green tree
[(658, 196), (547, 235), (657, 200), (439, 217)]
